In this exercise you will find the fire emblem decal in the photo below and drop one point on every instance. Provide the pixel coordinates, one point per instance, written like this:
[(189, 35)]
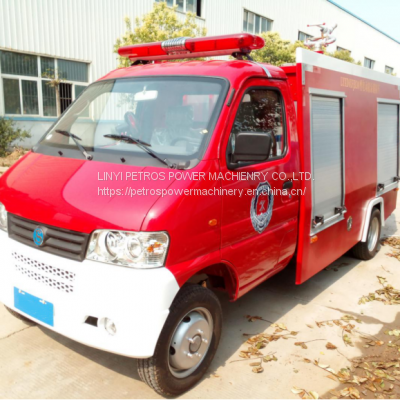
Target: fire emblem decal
[(261, 207)]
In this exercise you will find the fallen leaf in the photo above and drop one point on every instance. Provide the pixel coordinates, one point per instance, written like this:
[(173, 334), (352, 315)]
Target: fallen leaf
[(371, 387), (380, 373), (333, 377), (310, 326), (258, 369), (297, 390), (334, 392), (280, 326), (330, 346), (358, 380), (269, 358), (347, 340), (381, 280), (252, 318), (304, 394), (351, 392)]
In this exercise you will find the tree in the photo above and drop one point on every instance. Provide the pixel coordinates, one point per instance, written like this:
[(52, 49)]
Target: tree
[(160, 24), (56, 78), (9, 134), (343, 55), (276, 51)]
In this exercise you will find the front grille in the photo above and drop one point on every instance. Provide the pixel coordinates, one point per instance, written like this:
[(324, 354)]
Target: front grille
[(61, 242), (30, 268)]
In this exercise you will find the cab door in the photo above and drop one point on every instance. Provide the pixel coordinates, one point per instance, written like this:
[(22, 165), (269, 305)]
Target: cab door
[(259, 217)]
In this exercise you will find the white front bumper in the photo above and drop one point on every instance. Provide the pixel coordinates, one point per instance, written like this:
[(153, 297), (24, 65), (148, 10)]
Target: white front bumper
[(137, 301)]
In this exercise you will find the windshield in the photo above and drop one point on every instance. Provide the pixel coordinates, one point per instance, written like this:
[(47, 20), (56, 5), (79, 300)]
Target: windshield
[(174, 117)]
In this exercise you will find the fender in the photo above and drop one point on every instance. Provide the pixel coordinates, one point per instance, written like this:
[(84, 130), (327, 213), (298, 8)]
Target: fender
[(371, 204), (205, 264)]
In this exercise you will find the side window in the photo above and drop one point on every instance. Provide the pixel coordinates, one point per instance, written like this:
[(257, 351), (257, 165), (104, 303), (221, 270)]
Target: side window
[(261, 111)]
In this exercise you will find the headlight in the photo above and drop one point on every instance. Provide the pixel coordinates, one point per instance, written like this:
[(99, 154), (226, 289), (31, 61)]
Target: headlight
[(129, 249), (3, 217)]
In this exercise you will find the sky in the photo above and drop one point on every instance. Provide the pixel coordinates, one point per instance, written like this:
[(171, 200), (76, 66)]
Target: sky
[(383, 14)]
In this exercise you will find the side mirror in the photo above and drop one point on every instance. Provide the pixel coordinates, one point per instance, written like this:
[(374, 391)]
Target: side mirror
[(251, 147)]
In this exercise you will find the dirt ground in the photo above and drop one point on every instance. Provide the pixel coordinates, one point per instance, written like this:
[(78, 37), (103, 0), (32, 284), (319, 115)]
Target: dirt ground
[(335, 336)]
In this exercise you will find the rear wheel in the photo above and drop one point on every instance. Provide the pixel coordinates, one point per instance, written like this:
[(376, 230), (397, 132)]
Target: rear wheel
[(19, 316), (187, 344), (367, 250)]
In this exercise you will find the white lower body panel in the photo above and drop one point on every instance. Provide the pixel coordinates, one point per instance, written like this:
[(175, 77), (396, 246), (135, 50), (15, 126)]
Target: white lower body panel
[(136, 300)]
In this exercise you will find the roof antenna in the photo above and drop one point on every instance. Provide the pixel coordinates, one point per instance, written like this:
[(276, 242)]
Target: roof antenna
[(325, 39)]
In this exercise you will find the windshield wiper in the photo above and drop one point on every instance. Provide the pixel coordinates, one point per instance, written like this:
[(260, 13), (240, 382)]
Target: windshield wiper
[(144, 146), (75, 139)]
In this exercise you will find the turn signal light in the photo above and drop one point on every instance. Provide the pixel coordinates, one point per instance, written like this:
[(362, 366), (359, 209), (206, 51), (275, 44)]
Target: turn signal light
[(313, 239)]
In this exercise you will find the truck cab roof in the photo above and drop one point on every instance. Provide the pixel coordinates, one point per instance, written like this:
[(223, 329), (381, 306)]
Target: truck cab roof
[(233, 70)]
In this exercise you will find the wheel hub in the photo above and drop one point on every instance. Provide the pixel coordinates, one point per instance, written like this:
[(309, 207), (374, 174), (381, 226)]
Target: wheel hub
[(195, 343), (190, 342)]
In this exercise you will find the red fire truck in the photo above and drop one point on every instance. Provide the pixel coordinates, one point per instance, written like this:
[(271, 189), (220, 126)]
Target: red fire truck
[(166, 181)]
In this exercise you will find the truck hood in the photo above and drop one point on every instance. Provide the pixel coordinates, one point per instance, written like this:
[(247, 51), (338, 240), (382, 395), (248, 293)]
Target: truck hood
[(69, 193)]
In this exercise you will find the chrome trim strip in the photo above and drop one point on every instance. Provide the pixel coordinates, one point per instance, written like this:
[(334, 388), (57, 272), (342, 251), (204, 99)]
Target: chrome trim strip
[(265, 69), (174, 46)]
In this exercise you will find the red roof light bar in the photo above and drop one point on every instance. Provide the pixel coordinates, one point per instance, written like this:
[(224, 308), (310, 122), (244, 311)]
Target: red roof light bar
[(193, 47)]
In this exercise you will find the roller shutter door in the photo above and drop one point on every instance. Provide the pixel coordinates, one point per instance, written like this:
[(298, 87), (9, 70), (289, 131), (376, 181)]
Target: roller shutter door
[(327, 155), (388, 132)]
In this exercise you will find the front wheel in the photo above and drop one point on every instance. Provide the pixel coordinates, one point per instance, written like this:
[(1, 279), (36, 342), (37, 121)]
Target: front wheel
[(367, 250), (187, 344)]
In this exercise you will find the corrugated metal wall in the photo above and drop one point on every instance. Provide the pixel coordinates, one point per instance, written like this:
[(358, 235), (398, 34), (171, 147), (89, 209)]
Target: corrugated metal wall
[(87, 29)]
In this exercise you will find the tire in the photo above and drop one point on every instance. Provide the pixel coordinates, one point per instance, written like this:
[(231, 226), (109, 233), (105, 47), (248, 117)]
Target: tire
[(367, 250), (193, 307), (19, 316)]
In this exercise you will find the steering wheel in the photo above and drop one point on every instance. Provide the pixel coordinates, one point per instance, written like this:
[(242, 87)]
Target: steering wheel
[(132, 123), (183, 138)]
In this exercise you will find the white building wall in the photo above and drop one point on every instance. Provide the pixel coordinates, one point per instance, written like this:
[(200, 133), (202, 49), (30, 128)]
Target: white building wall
[(291, 16), (86, 30), (82, 30)]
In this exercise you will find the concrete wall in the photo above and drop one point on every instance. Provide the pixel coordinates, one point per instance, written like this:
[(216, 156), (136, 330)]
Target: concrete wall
[(86, 30)]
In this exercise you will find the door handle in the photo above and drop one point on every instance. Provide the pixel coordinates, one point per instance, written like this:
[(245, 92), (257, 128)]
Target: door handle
[(287, 185)]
